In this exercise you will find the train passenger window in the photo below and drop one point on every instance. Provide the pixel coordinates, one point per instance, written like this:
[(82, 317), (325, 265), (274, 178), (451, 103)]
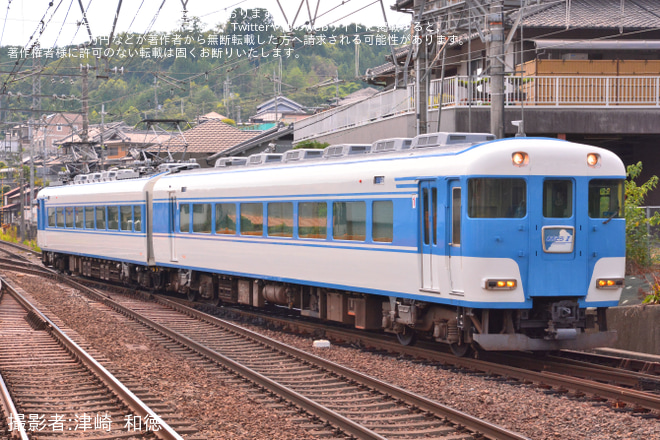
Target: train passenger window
[(100, 217), (280, 219), (497, 198), (137, 218), (126, 218), (202, 214), (68, 215), (225, 218), (252, 219), (382, 221), (113, 218), (89, 217), (51, 217), (79, 217), (606, 198), (558, 198), (312, 220), (184, 217), (60, 217), (349, 220)]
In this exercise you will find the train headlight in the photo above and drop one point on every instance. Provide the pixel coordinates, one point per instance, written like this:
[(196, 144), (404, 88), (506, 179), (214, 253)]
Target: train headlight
[(520, 159), (609, 283), (500, 284), (593, 160)]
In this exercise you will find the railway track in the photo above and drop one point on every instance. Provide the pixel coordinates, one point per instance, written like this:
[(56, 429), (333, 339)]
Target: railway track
[(56, 389), (356, 404)]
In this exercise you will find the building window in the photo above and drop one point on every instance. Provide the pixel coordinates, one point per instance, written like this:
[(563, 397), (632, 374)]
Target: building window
[(59, 127)]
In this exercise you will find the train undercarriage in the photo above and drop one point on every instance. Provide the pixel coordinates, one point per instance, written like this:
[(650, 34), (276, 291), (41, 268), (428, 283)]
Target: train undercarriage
[(552, 323)]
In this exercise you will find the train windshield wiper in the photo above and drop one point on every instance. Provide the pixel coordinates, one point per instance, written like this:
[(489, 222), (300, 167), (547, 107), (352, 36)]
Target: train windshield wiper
[(616, 211)]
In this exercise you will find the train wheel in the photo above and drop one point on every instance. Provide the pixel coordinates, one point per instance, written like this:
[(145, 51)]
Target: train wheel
[(460, 350), (408, 337)]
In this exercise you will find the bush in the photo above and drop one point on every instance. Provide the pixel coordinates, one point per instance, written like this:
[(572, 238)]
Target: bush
[(637, 237)]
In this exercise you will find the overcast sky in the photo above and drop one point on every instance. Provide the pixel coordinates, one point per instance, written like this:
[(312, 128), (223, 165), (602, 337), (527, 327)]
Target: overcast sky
[(20, 19)]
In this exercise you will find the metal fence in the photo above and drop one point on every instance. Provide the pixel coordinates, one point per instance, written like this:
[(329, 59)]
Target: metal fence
[(462, 91)]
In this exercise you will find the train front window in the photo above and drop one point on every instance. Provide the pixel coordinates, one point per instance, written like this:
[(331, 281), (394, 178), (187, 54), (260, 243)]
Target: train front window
[(558, 198), (606, 198), (497, 198)]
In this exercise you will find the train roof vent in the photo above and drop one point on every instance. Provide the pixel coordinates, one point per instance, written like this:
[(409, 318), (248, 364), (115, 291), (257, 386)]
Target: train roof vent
[(126, 174), (342, 150), (444, 139), (80, 178), (302, 154), (263, 158), (230, 161), (177, 166), (393, 144)]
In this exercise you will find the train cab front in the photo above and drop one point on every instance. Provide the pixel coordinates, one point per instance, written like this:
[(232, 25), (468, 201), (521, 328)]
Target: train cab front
[(572, 268)]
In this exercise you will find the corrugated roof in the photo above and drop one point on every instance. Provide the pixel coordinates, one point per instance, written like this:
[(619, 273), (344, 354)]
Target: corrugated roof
[(596, 14)]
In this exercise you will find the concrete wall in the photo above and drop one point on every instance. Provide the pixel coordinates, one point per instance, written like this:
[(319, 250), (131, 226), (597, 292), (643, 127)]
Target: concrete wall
[(638, 327)]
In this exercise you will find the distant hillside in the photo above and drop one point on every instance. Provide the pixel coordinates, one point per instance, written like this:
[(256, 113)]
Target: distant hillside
[(228, 69)]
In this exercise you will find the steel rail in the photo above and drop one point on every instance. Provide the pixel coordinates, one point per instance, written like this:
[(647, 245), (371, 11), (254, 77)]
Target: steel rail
[(8, 403), (332, 417), (134, 403), (472, 423)]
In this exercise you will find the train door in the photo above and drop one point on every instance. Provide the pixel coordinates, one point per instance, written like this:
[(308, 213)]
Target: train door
[(454, 250), (428, 196), (172, 227), (557, 260)]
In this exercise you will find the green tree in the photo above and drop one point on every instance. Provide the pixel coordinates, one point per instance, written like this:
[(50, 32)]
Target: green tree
[(637, 237)]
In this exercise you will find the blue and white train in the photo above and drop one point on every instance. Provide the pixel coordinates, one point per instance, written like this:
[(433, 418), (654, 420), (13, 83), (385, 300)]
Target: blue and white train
[(513, 244)]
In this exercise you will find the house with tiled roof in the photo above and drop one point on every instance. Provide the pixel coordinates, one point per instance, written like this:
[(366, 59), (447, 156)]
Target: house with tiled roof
[(208, 138), (582, 70)]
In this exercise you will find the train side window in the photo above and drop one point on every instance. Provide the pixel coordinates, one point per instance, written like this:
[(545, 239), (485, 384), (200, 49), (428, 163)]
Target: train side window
[(280, 219), (68, 215), (60, 217), (349, 220), (51, 217), (225, 218), (100, 217), (606, 198), (456, 216), (184, 217), (202, 216), (78, 214), (558, 199), (126, 218), (312, 220), (497, 198), (113, 218), (137, 218), (252, 219), (382, 221), (89, 217)]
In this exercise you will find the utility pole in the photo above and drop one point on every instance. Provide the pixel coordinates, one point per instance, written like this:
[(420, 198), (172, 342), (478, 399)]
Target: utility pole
[(85, 103), (420, 72), (156, 95), (496, 57), (32, 127)]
